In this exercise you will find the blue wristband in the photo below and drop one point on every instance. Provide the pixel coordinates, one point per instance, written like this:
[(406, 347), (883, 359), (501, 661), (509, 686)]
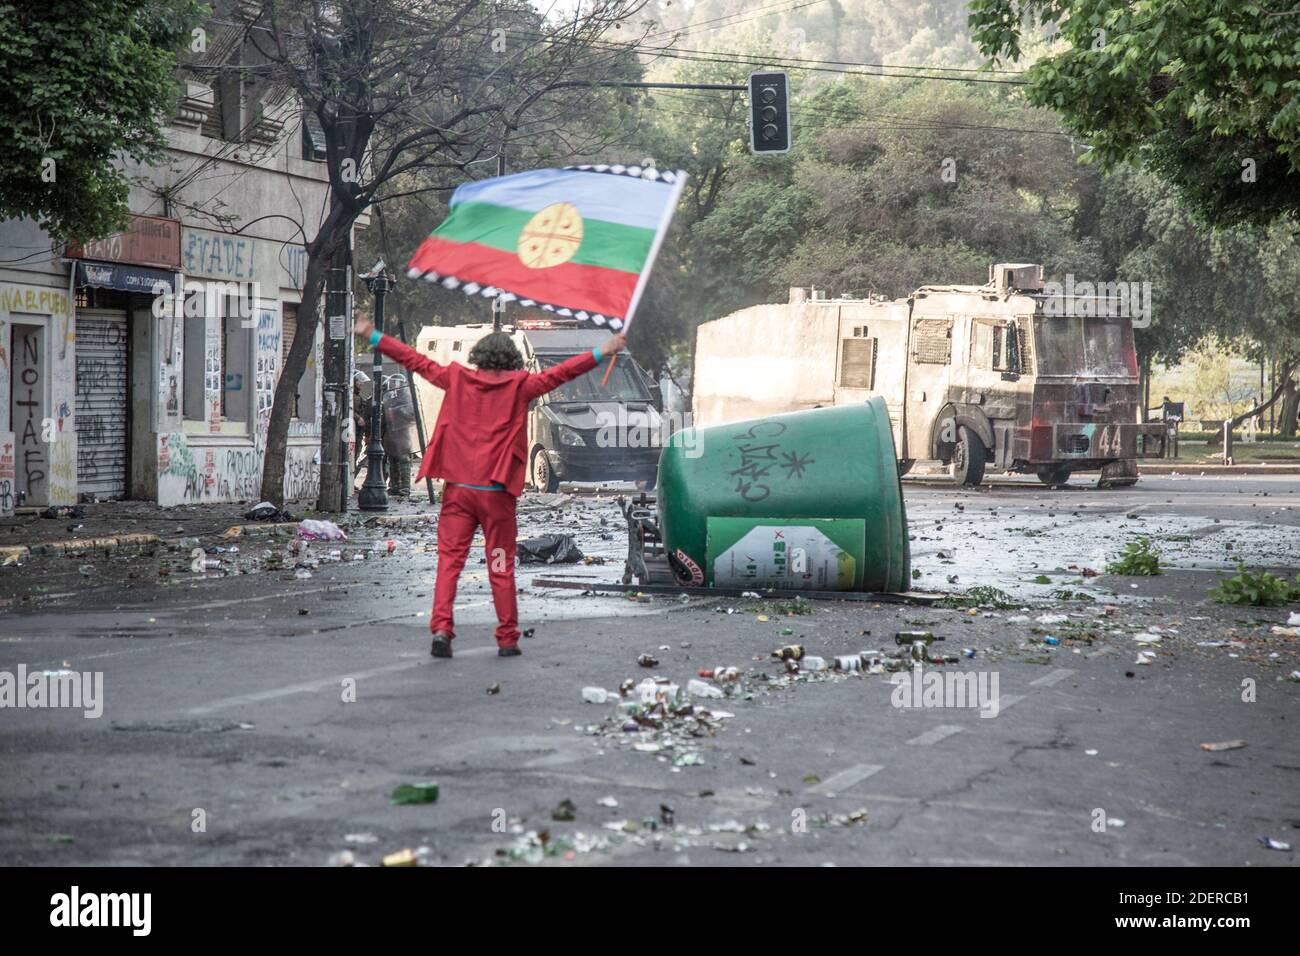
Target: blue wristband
[(375, 336), (595, 353)]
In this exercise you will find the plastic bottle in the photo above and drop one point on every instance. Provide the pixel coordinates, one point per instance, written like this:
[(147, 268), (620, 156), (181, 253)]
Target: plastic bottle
[(697, 688), (814, 663), (595, 695)]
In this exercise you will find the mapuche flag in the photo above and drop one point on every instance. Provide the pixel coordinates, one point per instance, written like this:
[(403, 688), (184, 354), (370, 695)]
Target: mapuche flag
[(577, 241)]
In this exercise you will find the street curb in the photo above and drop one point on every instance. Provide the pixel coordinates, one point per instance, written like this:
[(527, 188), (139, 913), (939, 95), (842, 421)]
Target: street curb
[(1200, 469), (93, 544)]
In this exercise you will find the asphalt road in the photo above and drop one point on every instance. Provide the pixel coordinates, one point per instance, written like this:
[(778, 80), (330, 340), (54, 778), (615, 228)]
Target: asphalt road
[(280, 711)]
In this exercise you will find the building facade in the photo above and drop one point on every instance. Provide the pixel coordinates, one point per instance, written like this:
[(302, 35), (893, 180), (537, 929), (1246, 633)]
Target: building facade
[(143, 365)]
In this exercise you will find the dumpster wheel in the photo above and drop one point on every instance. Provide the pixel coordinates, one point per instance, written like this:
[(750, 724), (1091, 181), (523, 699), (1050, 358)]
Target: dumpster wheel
[(1054, 477)]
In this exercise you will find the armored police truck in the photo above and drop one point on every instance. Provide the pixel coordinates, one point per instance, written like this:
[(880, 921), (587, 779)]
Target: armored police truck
[(1009, 375)]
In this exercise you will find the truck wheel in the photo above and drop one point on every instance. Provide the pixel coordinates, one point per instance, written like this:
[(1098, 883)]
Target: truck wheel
[(967, 466), (543, 475), (905, 465), (1054, 476)]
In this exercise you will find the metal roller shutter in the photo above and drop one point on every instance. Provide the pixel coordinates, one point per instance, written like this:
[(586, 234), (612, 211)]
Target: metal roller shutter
[(101, 404)]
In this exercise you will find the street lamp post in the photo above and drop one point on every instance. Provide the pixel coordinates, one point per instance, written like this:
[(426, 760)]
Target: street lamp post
[(374, 495)]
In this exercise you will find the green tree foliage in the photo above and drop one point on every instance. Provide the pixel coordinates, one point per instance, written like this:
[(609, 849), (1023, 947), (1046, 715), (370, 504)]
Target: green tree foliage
[(85, 84), (1238, 286), (1201, 92)]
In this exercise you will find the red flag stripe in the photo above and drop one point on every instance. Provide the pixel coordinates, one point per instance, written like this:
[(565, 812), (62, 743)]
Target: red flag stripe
[(568, 285)]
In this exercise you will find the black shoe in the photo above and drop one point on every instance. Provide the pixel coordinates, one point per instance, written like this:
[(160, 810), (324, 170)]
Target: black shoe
[(508, 652), (441, 646)]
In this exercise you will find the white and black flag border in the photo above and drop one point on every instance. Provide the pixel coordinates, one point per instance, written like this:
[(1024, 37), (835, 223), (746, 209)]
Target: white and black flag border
[(614, 322)]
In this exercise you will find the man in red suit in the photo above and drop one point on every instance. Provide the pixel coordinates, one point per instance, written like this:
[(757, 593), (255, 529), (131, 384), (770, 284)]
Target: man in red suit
[(479, 448)]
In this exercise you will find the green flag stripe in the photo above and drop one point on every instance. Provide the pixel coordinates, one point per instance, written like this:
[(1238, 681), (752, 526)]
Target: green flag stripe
[(608, 245)]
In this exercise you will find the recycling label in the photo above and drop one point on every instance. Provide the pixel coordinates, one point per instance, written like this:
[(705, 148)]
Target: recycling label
[(821, 554)]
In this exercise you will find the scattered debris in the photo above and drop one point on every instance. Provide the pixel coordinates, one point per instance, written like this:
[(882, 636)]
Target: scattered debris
[(548, 549), (76, 511), (310, 529), (408, 793), (265, 511), (723, 675), (1224, 745), (697, 688)]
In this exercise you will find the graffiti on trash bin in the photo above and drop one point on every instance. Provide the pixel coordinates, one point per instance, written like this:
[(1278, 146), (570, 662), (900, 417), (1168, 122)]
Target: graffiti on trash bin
[(760, 452)]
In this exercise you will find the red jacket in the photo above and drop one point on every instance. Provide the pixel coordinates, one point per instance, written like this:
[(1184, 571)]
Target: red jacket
[(482, 430)]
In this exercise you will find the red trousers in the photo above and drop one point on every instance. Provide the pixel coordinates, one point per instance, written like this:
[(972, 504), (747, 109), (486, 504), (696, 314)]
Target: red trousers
[(464, 511)]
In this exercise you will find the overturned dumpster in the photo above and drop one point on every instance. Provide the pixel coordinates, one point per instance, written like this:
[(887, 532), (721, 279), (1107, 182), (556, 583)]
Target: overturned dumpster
[(807, 500)]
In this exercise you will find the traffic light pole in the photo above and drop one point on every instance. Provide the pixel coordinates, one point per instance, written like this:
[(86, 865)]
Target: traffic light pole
[(771, 88)]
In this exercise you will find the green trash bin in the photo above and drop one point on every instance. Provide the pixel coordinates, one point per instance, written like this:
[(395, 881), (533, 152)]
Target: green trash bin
[(803, 501)]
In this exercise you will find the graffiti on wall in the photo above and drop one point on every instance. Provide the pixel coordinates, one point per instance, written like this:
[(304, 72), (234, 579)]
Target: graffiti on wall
[(240, 476), (37, 382), (176, 463), (28, 390), (190, 470), (301, 474)]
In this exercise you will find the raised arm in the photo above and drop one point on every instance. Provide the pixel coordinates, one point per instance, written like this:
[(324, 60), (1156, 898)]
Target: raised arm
[(401, 353), (539, 383)]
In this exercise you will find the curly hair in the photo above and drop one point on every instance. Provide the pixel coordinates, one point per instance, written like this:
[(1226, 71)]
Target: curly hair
[(496, 351)]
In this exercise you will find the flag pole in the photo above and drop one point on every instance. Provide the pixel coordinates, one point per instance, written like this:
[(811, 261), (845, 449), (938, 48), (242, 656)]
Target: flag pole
[(678, 185)]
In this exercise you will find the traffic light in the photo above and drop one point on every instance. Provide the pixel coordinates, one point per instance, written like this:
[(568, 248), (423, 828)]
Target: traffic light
[(769, 113)]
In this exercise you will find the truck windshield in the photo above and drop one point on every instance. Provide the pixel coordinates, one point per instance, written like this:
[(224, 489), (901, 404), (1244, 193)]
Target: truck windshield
[(624, 383), (1083, 345)]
